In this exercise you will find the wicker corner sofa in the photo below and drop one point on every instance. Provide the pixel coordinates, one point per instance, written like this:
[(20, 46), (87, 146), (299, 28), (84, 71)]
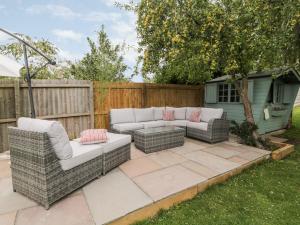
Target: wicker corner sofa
[(213, 126), (39, 174)]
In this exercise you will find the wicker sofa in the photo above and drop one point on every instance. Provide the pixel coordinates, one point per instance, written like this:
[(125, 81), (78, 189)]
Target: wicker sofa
[(213, 126), (45, 175)]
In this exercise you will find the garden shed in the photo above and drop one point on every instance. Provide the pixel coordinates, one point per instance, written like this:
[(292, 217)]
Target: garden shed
[(271, 93)]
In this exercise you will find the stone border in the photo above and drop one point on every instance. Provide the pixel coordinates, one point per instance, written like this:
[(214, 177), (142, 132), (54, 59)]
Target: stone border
[(284, 150), (187, 194)]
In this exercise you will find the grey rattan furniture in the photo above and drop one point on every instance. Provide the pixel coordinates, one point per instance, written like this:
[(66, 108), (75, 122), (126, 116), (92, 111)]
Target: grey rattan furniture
[(158, 138), (116, 157), (37, 173), (217, 130)]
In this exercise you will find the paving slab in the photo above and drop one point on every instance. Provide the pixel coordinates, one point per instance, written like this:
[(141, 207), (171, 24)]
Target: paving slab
[(238, 160), (221, 152), (187, 148), (200, 169), (166, 158), (139, 166), (211, 161), (8, 218), (11, 201), (135, 153), (69, 211), (5, 170), (114, 196), (198, 142), (162, 183), (251, 155), (232, 143)]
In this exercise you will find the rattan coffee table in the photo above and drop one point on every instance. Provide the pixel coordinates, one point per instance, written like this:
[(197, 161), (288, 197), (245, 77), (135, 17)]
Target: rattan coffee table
[(158, 138)]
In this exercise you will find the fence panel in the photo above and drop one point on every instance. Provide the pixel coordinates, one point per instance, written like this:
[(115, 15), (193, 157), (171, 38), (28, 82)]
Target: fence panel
[(68, 101), (138, 95)]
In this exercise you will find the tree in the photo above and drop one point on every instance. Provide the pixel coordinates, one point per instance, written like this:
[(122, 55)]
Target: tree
[(104, 62), (36, 61), (190, 41)]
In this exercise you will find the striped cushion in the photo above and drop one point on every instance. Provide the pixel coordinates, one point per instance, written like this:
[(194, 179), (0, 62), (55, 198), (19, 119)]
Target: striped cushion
[(168, 115), (93, 136)]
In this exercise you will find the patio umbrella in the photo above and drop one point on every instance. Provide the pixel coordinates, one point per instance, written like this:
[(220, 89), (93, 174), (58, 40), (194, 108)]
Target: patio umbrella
[(9, 67), (29, 75)]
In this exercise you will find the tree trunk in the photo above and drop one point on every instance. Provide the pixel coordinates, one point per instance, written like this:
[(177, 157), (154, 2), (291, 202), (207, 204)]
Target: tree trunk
[(248, 109)]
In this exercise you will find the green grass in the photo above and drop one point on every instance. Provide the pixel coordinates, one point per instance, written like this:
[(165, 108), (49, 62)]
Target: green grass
[(266, 194), (296, 117), (293, 134)]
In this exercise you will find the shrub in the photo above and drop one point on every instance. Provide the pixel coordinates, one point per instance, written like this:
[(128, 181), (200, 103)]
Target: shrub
[(245, 130)]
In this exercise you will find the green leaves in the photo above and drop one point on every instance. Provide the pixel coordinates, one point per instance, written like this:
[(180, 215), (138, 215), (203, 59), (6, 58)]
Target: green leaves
[(189, 41), (35, 60), (104, 62)]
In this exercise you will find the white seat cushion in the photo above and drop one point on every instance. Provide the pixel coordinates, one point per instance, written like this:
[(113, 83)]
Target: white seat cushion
[(200, 126), (122, 116), (127, 126), (56, 133), (157, 123), (179, 123), (158, 113), (179, 113), (81, 154), (189, 111), (115, 141), (210, 113), (142, 115)]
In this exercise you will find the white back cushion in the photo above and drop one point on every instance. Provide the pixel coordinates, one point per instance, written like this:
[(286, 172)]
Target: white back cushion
[(146, 114), (56, 133), (179, 113), (158, 113), (122, 116), (210, 113), (189, 111)]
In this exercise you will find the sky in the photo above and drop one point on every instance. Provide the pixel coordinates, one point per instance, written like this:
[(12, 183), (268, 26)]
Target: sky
[(67, 24)]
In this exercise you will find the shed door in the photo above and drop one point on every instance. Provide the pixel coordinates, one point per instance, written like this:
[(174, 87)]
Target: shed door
[(287, 93), (211, 93)]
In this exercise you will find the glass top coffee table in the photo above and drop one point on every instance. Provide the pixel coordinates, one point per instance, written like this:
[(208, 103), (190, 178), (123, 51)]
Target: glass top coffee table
[(158, 138)]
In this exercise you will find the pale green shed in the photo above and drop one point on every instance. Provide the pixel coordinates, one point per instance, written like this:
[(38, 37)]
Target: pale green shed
[(272, 98)]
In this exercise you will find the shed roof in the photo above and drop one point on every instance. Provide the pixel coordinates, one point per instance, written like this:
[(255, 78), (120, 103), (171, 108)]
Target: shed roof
[(290, 75)]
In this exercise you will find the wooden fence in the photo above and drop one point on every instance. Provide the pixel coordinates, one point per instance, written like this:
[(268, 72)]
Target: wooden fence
[(68, 101), (139, 95), (74, 103)]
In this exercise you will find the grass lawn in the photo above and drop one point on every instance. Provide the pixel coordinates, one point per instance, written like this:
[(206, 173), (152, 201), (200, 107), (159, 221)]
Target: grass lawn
[(266, 194)]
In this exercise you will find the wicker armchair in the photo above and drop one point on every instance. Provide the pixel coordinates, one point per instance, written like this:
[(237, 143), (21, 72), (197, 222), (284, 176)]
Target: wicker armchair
[(217, 131), (37, 173)]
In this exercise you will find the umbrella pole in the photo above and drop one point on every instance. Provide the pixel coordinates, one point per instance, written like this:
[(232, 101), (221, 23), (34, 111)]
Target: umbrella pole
[(28, 78)]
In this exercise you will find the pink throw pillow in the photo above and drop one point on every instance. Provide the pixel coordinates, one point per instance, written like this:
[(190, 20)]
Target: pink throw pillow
[(168, 115), (195, 116), (93, 136)]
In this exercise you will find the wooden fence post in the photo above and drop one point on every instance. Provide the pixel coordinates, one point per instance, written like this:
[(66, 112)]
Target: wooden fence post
[(17, 98), (91, 105), (144, 97)]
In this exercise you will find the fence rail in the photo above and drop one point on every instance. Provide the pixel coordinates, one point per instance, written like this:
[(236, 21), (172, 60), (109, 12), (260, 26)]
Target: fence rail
[(68, 101), (139, 95)]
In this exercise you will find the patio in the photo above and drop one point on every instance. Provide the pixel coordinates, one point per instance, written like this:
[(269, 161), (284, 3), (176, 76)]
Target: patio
[(137, 189)]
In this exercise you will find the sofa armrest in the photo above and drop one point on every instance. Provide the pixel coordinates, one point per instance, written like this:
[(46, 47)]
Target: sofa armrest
[(218, 127)]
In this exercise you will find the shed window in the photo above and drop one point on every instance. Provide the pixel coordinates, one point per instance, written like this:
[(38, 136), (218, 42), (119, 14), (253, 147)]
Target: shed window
[(279, 93), (234, 94), (228, 93), (223, 92)]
